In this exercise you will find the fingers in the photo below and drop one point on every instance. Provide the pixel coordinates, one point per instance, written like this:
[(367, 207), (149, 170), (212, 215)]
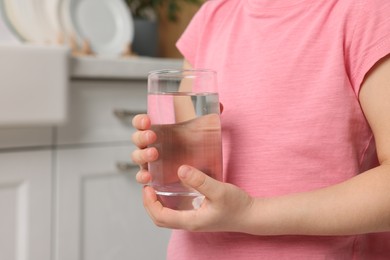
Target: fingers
[(141, 122), (162, 216), (155, 209), (209, 187), (151, 204), (143, 138), (144, 156), (143, 176)]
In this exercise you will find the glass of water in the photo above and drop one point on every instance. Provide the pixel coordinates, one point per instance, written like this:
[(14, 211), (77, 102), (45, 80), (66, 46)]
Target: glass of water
[(183, 106)]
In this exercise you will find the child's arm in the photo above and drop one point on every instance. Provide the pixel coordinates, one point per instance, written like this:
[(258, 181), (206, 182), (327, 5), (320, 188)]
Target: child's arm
[(184, 109), (359, 205)]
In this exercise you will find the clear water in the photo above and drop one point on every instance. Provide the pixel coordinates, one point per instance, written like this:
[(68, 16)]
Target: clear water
[(194, 138)]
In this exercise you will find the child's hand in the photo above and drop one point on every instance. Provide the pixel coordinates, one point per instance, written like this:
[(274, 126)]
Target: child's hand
[(225, 207)]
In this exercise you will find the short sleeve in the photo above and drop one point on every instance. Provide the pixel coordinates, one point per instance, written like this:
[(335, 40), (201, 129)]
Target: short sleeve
[(370, 39)]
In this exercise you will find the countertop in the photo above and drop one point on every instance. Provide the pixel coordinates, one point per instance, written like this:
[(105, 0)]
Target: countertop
[(134, 67)]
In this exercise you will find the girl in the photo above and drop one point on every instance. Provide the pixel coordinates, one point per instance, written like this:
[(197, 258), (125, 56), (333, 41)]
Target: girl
[(305, 87)]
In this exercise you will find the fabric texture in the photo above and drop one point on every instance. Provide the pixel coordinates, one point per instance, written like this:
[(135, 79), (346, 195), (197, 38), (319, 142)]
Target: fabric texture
[(289, 74)]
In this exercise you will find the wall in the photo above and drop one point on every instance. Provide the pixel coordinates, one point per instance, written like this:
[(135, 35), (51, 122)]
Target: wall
[(169, 32)]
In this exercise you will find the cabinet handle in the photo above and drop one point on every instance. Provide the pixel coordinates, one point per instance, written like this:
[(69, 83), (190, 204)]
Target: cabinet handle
[(124, 113), (125, 166)]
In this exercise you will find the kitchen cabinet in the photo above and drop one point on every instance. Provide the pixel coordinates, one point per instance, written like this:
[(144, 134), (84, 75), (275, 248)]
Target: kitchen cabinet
[(68, 191), (100, 212), (99, 206), (25, 204)]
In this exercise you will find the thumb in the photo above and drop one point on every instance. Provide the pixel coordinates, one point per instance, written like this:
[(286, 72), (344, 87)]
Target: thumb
[(199, 181)]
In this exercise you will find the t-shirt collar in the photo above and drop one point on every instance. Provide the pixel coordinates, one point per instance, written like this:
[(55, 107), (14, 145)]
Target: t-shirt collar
[(271, 8), (272, 4)]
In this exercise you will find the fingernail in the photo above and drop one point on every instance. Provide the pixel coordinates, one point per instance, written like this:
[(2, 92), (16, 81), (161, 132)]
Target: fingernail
[(143, 177), (151, 154), (143, 122), (148, 136), (184, 171)]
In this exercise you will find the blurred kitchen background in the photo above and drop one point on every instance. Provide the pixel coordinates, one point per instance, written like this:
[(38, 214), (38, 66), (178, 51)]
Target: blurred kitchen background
[(72, 75)]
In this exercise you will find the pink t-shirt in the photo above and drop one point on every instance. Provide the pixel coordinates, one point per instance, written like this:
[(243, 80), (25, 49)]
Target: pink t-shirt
[(289, 73)]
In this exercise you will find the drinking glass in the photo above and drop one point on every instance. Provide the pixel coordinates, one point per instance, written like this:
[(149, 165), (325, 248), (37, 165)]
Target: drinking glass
[(183, 106)]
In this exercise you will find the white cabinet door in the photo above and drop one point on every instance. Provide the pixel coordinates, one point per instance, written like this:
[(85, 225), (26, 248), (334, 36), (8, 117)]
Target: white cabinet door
[(25, 205), (99, 212)]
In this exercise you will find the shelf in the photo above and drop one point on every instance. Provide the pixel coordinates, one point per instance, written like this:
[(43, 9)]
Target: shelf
[(119, 68)]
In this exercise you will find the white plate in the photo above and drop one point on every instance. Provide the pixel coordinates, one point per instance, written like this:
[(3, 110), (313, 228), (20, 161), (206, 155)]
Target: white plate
[(52, 18), (66, 24), (8, 7), (106, 24), (23, 16), (8, 34), (47, 19)]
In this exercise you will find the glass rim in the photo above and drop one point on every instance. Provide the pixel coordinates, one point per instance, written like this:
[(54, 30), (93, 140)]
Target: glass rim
[(179, 73)]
